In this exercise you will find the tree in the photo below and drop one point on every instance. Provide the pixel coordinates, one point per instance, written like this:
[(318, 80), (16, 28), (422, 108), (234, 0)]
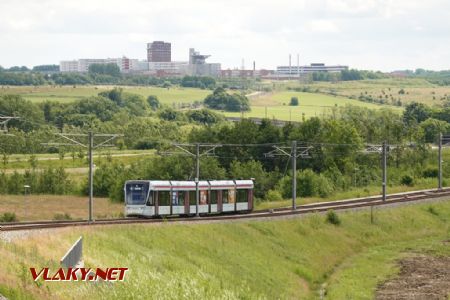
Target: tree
[(46, 68), (204, 116), (110, 69), (432, 128), (294, 101), (415, 113), (220, 99), (153, 102)]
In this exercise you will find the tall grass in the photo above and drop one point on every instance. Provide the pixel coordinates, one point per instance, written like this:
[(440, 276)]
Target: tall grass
[(290, 258)]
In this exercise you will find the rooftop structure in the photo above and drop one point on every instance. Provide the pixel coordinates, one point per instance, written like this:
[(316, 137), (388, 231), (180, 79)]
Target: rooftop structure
[(159, 51), (199, 67)]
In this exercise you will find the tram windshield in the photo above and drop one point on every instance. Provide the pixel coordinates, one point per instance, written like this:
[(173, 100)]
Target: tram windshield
[(136, 193)]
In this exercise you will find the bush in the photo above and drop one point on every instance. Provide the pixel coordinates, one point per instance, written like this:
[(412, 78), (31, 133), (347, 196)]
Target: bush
[(333, 218), (8, 217), (430, 173), (61, 217), (407, 180), (308, 184), (273, 195), (432, 210), (294, 101)]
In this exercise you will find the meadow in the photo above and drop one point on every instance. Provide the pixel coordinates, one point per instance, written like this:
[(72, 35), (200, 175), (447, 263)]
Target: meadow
[(70, 93), (322, 99), (275, 105), (415, 89), (299, 258)]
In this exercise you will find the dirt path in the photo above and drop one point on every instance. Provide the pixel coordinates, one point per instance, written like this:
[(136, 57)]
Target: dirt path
[(420, 277)]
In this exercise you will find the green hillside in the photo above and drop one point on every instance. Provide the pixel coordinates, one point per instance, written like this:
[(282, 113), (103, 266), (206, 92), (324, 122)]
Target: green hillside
[(292, 258)]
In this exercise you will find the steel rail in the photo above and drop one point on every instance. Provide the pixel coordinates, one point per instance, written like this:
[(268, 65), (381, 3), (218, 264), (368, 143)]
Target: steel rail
[(267, 213)]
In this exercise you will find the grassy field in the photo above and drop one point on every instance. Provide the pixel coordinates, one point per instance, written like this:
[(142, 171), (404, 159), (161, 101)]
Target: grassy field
[(415, 89), (22, 161), (297, 258), (276, 105), (68, 93), (321, 101), (46, 207), (373, 190)]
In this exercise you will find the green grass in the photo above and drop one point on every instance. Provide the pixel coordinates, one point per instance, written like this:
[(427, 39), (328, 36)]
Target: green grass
[(356, 192), (276, 106), (22, 161), (68, 93), (416, 89), (244, 260)]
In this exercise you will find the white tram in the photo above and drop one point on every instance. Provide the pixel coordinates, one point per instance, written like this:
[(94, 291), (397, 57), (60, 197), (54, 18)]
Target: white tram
[(150, 198)]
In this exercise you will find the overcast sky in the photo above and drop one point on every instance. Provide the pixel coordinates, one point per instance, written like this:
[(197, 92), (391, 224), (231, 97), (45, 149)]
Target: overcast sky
[(365, 34)]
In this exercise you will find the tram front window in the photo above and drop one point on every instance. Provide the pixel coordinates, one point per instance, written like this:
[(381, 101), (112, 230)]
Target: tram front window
[(136, 193)]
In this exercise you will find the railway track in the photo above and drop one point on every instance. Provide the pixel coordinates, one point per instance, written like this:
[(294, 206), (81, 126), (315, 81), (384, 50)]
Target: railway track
[(269, 213)]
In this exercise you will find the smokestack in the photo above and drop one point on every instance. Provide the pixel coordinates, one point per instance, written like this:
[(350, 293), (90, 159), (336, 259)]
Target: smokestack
[(289, 66)]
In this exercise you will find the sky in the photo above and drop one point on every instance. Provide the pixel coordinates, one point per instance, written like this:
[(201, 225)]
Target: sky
[(383, 35)]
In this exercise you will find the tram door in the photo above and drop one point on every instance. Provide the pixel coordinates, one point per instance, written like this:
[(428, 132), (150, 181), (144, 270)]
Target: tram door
[(178, 204), (186, 203), (219, 201)]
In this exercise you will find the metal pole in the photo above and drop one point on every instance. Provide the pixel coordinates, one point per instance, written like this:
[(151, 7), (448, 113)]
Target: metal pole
[(294, 174), (24, 203), (384, 153), (440, 162), (197, 178), (91, 174)]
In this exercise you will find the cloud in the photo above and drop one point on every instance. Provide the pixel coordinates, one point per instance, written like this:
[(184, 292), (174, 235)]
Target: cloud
[(325, 26), (376, 34)]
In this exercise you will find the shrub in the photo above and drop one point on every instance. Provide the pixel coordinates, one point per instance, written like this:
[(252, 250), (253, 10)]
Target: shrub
[(273, 195), (308, 184), (407, 180), (60, 217), (294, 101), (430, 173), (8, 217), (432, 210), (333, 218)]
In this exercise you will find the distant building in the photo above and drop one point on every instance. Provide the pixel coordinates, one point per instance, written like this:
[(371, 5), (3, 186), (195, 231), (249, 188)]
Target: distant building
[(236, 73), (159, 51), (199, 67), (168, 68), (286, 71), (68, 66), (125, 64)]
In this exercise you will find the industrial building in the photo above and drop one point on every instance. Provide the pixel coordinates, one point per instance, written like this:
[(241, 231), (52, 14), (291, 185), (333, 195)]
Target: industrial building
[(199, 67), (159, 51), (126, 65), (295, 71), (172, 68)]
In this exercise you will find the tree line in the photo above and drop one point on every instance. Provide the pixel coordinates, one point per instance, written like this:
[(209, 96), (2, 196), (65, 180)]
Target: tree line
[(337, 140)]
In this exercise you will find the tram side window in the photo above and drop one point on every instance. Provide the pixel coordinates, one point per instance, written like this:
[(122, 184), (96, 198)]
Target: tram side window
[(231, 196), (178, 198), (192, 198), (151, 198), (164, 199), (242, 195), (225, 196), (213, 198), (203, 198)]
